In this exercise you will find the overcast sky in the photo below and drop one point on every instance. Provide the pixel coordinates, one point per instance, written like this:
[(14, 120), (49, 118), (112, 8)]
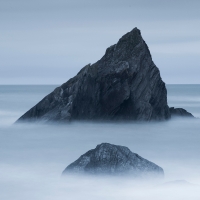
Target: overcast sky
[(49, 41)]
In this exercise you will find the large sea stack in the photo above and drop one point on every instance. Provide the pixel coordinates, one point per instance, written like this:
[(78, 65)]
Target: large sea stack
[(124, 84), (115, 160)]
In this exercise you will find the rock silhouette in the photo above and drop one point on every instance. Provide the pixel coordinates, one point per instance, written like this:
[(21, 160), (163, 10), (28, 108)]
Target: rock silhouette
[(179, 112), (109, 159), (124, 84)]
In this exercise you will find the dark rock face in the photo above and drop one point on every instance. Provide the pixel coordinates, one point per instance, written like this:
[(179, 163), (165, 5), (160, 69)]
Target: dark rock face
[(124, 84), (180, 112), (108, 159)]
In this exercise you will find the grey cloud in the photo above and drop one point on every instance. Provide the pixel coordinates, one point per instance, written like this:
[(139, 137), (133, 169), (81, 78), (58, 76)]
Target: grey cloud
[(60, 37)]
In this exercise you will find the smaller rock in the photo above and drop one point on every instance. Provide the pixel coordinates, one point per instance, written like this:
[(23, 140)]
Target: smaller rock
[(178, 183), (108, 159), (180, 112)]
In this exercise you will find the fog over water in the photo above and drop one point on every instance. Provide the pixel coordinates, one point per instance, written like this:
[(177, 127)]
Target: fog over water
[(33, 156)]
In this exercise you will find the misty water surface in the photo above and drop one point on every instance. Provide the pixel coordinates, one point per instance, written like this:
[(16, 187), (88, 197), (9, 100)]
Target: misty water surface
[(33, 156)]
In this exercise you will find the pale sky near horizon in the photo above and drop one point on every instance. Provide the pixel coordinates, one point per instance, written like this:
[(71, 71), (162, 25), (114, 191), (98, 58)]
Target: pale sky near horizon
[(49, 41)]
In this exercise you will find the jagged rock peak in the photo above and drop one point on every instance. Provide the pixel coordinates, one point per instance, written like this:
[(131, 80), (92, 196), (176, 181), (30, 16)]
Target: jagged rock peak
[(124, 84), (109, 159)]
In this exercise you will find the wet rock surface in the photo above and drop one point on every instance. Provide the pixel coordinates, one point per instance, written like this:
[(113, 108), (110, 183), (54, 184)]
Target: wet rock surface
[(108, 159), (124, 84)]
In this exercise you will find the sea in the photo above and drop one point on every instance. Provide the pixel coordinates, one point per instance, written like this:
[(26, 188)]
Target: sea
[(33, 156)]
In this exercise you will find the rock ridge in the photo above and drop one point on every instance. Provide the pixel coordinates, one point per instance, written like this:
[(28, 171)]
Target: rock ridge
[(124, 84), (115, 160)]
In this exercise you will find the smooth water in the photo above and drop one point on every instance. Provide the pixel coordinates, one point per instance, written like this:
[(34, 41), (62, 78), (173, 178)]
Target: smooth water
[(33, 156)]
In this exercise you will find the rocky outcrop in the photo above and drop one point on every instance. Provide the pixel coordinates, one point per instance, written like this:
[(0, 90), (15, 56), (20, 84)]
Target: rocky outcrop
[(124, 84), (108, 159), (180, 112), (178, 183)]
